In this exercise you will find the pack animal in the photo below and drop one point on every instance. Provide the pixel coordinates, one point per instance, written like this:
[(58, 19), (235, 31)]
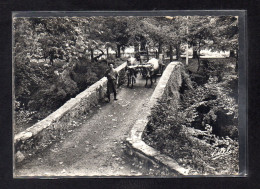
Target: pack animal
[(131, 71), (151, 70)]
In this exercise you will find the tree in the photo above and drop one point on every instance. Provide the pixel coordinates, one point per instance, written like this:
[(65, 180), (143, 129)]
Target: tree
[(57, 37), (199, 34), (175, 35), (136, 32), (115, 32), (156, 29), (226, 35), (94, 36), (26, 46)]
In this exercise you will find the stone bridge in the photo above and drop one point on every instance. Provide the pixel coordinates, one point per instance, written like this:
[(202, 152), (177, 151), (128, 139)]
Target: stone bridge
[(87, 137)]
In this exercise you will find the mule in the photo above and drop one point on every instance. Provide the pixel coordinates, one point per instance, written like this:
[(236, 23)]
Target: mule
[(151, 70)]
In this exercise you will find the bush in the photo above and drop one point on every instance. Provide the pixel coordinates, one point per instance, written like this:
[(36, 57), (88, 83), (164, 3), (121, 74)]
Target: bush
[(41, 89), (202, 134), (200, 151), (163, 126), (22, 117)]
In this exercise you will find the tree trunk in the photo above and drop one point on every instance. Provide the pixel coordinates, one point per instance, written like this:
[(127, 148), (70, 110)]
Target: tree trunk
[(98, 56), (232, 54), (194, 51), (107, 52), (147, 52), (156, 55), (136, 47), (198, 56), (177, 52), (236, 67), (123, 52), (51, 55), (194, 54), (160, 47), (170, 53), (118, 51), (92, 55), (143, 43)]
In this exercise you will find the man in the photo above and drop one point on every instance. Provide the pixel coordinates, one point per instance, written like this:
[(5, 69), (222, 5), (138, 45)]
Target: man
[(112, 81)]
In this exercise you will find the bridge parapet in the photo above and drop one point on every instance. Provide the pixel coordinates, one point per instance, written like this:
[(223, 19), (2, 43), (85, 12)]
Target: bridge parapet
[(42, 134), (167, 88)]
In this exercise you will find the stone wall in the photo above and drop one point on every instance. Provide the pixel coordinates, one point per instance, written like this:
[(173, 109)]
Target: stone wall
[(168, 87), (42, 134)]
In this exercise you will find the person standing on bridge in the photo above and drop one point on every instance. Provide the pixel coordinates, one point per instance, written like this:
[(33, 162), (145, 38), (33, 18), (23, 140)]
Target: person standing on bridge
[(112, 80)]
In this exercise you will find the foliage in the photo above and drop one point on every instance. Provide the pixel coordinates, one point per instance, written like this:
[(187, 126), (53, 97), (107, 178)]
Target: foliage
[(116, 27), (202, 134), (226, 34), (170, 122), (199, 31), (211, 104), (22, 117)]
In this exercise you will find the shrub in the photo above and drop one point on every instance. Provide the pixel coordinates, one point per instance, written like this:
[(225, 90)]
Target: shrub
[(202, 134), (42, 89)]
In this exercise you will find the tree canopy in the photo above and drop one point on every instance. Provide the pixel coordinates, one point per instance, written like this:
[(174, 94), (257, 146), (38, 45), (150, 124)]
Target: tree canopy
[(63, 38)]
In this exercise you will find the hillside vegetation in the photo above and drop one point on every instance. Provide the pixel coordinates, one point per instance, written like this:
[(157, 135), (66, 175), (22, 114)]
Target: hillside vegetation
[(203, 134)]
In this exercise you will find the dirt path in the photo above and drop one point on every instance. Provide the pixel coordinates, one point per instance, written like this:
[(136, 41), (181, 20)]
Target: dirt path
[(96, 148)]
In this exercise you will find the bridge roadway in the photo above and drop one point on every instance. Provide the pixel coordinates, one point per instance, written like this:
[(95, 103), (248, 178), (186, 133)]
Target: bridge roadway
[(96, 147)]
